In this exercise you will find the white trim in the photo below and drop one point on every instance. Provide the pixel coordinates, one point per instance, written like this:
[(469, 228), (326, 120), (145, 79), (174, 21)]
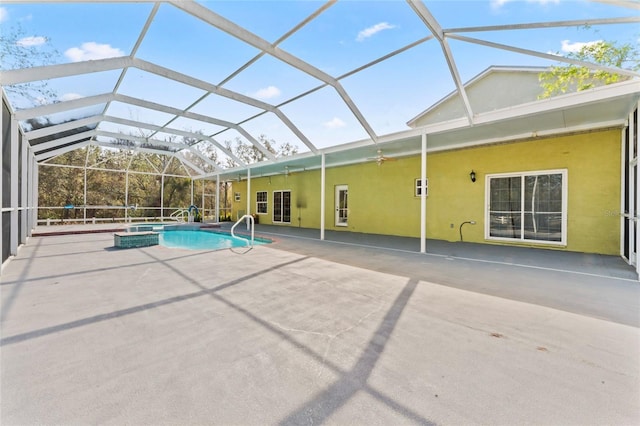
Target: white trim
[(522, 239), (273, 211), (266, 202)]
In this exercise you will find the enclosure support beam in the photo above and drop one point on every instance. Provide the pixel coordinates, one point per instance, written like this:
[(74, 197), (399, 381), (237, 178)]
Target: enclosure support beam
[(35, 184), (162, 198), (248, 196), (322, 197), (191, 203), (24, 200), (84, 197), (423, 196), (633, 198), (217, 216), (30, 166), (2, 124), (13, 236)]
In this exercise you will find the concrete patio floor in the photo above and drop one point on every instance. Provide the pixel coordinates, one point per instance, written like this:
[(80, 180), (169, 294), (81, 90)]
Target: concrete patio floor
[(309, 332)]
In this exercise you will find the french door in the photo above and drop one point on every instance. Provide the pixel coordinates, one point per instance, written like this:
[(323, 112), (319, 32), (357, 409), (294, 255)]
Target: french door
[(281, 206)]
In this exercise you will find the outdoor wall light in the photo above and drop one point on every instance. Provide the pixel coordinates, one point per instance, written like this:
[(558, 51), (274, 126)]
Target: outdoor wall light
[(472, 175)]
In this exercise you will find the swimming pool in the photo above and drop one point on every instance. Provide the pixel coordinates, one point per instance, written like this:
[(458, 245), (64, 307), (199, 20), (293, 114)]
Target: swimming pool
[(202, 240)]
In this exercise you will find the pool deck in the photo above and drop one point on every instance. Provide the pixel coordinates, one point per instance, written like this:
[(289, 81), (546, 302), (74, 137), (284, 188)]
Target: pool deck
[(356, 329)]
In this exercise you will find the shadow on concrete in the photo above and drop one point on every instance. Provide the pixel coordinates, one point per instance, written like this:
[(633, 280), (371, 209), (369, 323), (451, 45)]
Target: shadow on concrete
[(8, 303), (135, 309), (320, 408), (351, 381)]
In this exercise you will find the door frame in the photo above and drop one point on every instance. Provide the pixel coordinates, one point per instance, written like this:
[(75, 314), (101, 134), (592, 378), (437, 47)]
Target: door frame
[(339, 189)]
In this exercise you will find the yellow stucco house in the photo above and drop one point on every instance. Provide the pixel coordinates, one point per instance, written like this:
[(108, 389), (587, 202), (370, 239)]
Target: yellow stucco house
[(557, 173)]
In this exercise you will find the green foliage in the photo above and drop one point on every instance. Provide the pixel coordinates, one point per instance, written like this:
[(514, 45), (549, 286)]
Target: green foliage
[(249, 154), (569, 78)]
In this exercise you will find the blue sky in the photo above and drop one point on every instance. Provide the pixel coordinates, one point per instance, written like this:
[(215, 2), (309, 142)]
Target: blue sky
[(346, 36)]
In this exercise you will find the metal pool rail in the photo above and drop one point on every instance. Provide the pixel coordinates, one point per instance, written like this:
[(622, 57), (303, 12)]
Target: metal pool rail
[(252, 224)]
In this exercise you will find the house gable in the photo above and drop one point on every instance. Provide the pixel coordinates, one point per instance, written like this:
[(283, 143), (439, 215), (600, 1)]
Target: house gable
[(495, 88)]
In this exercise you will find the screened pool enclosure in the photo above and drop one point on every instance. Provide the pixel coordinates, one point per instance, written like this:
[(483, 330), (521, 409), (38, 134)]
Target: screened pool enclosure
[(141, 108)]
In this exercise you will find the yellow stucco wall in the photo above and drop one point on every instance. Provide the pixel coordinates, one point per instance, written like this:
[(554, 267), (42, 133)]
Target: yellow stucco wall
[(382, 201)]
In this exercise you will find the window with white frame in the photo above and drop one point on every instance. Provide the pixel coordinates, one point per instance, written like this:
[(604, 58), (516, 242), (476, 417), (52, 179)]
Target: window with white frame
[(418, 187), (261, 202), (528, 206)]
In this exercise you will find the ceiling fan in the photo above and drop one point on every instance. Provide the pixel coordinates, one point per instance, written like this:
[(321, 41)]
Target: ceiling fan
[(380, 158)]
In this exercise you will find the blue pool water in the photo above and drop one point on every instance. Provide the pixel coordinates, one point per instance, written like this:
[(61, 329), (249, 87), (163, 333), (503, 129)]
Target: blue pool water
[(201, 240)]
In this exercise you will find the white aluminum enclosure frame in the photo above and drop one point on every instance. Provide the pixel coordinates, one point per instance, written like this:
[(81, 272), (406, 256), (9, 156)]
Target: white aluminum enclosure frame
[(34, 153)]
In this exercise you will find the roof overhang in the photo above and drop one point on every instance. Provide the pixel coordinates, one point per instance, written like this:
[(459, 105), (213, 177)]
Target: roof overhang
[(599, 108)]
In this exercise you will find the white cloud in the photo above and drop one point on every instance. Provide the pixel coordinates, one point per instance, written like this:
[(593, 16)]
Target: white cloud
[(334, 123), (569, 47), (368, 32), (4, 15), (70, 97), (91, 50), (31, 41), (267, 93)]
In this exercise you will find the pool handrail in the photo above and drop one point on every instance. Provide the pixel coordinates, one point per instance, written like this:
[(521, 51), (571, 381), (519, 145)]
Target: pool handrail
[(251, 221), (178, 215)]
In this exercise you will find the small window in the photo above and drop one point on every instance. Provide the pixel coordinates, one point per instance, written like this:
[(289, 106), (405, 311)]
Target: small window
[(236, 196), (418, 187), (261, 202)]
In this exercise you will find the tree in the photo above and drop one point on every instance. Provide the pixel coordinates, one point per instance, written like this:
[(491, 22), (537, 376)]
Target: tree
[(17, 51), (249, 154), (568, 78)]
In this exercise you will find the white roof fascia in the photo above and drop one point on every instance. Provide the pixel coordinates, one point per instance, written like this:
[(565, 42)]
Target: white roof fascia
[(63, 141), (47, 72), (248, 37), (561, 102), (60, 151), (69, 125), (39, 111), (556, 58), (532, 135)]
